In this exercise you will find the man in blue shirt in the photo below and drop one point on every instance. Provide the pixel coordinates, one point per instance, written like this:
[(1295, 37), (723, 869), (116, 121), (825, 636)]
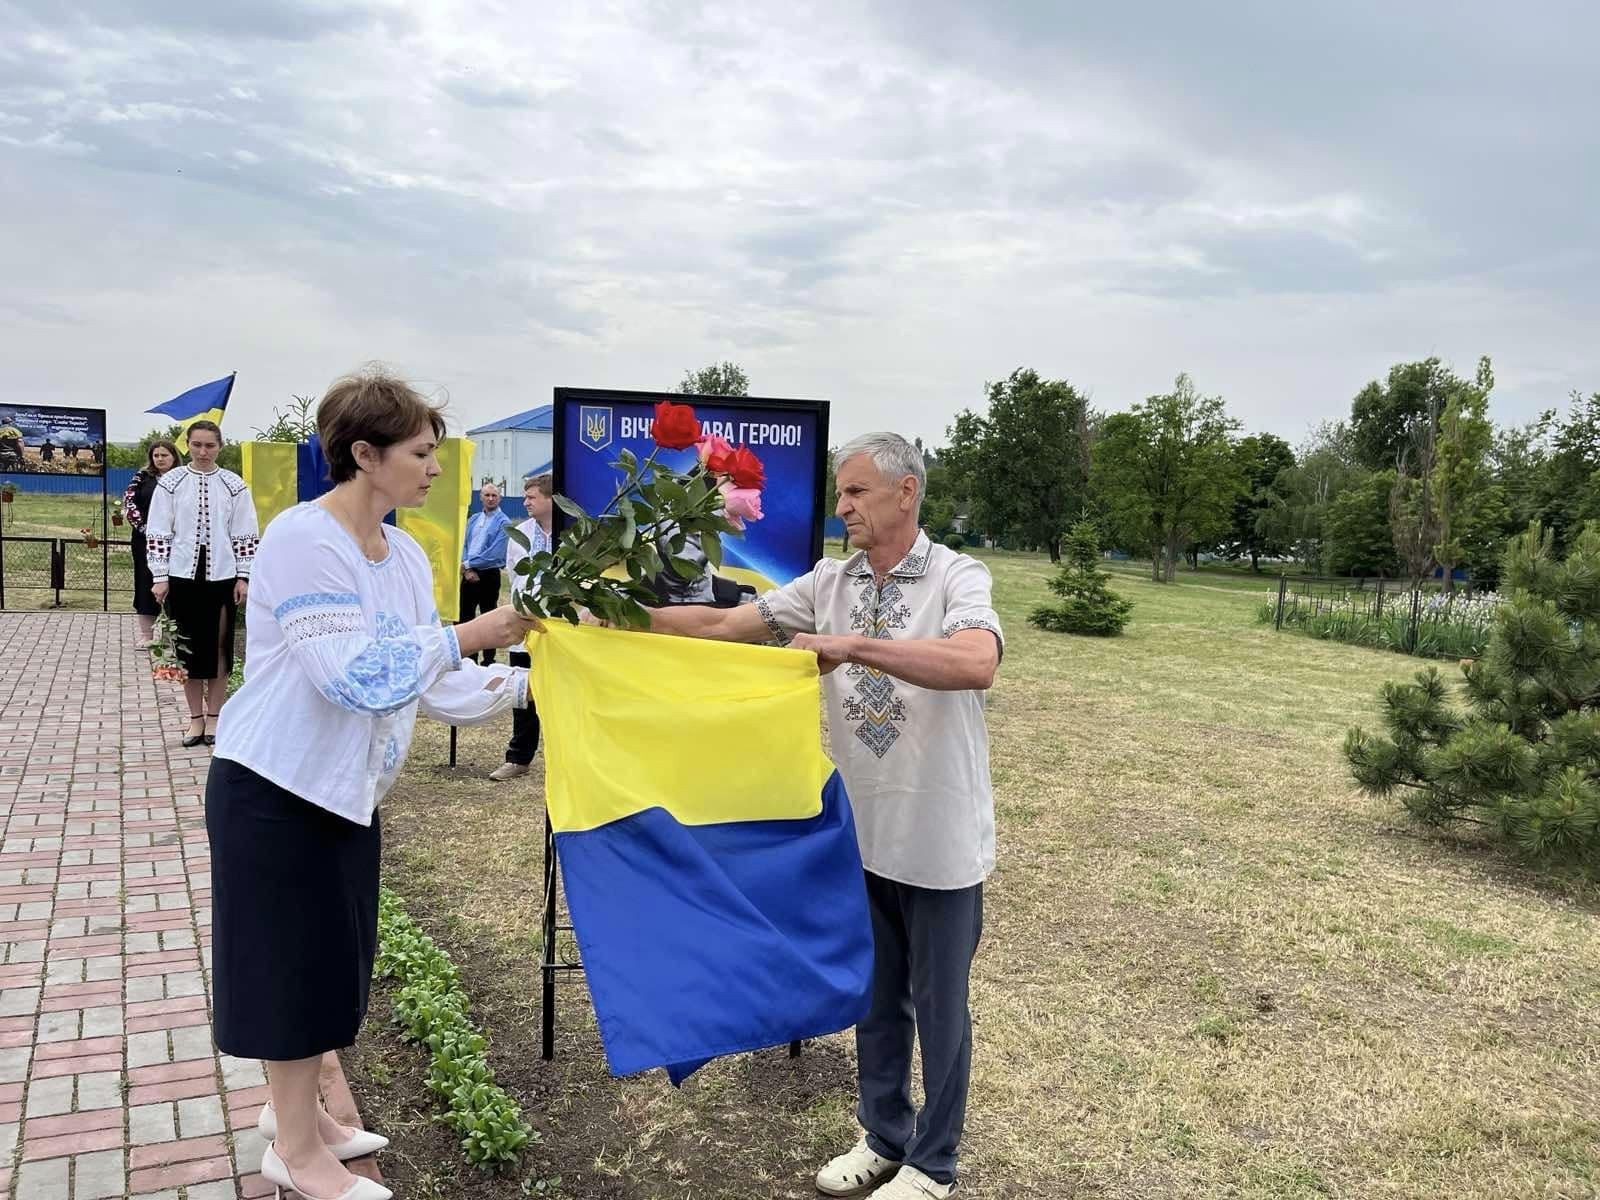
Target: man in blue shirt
[(483, 558)]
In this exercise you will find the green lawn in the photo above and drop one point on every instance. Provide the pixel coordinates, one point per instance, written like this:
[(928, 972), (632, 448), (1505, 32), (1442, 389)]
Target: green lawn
[(27, 563), (1209, 968)]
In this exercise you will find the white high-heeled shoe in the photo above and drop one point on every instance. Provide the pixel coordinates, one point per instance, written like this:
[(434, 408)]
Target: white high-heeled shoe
[(276, 1173), (361, 1143)]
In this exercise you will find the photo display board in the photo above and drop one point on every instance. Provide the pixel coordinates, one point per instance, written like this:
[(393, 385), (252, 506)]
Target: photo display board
[(38, 439), (789, 436)]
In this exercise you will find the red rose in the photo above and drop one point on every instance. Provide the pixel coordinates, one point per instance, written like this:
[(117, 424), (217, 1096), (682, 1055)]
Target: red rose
[(675, 426), (746, 469), (720, 461)]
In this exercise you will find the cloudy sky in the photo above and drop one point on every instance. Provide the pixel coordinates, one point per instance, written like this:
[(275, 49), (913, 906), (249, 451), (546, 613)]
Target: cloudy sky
[(882, 203)]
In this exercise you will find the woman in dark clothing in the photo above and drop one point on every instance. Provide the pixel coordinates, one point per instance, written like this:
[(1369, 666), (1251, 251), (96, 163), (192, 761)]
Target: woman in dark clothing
[(162, 457)]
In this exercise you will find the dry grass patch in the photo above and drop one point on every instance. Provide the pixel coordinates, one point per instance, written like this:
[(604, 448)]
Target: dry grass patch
[(1209, 969)]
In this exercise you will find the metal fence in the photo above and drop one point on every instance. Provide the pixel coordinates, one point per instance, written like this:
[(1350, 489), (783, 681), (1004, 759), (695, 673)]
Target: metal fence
[(1387, 614), (116, 482), (62, 572)]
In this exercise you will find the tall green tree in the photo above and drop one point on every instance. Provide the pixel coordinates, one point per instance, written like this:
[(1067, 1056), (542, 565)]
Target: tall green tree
[(1391, 419), (1567, 491), (1356, 529), (1520, 460), (1023, 462), (1444, 509), (1262, 458), (1298, 503), (1470, 506), (1167, 473), (719, 379)]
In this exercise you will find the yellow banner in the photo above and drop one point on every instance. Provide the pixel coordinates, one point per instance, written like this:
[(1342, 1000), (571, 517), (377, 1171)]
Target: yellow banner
[(272, 473), (440, 525), (712, 732)]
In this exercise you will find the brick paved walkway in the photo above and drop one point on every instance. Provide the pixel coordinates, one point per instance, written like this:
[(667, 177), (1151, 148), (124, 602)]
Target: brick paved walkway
[(109, 1084)]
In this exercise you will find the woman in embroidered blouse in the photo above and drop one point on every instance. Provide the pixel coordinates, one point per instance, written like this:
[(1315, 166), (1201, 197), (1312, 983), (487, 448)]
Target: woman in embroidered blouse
[(159, 459), (345, 644), (201, 536)]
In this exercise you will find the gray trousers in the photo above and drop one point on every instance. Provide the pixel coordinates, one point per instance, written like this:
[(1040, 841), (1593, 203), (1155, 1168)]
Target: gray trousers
[(924, 944)]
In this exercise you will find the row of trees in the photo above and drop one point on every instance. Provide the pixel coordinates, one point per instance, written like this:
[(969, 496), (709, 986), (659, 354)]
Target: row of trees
[(1416, 480)]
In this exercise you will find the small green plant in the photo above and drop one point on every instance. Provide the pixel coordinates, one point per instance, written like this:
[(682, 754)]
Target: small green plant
[(432, 1009), (955, 541), (1088, 605), (1524, 755)]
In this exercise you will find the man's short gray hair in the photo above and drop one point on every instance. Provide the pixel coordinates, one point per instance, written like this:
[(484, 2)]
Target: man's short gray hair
[(894, 457)]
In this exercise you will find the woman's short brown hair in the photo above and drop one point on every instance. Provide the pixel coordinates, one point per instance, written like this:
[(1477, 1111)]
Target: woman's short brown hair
[(375, 407)]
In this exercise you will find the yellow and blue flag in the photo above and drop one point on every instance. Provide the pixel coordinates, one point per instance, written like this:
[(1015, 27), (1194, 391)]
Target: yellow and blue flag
[(271, 472), (710, 857), (204, 403), (440, 524)]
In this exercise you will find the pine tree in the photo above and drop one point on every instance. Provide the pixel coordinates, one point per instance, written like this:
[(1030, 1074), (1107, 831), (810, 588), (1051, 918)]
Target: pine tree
[(1090, 607), (1524, 755)]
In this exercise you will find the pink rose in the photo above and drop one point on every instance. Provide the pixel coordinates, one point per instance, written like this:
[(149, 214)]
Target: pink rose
[(740, 504), (713, 447)]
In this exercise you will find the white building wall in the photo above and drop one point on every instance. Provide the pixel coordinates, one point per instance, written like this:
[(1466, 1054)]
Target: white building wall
[(510, 455)]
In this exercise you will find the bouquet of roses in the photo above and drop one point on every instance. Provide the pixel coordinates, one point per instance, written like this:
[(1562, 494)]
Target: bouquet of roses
[(164, 649), (604, 561)]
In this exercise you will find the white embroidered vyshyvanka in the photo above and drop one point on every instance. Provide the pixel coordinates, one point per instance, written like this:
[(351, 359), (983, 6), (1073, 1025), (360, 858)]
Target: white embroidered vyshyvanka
[(341, 653)]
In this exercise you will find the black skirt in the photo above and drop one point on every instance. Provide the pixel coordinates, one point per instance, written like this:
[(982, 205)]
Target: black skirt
[(144, 602), (204, 612), (294, 918)]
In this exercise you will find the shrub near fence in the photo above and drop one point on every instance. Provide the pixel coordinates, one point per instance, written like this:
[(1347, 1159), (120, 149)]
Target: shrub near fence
[(1429, 624)]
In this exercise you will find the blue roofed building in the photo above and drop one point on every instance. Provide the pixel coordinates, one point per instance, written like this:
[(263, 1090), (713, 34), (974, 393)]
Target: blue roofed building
[(511, 449)]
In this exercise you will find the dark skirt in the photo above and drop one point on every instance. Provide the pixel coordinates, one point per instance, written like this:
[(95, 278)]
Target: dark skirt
[(203, 610), (294, 919), (144, 601)]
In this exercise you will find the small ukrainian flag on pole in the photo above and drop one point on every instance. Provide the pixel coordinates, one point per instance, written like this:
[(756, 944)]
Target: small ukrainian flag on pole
[(203, 403)]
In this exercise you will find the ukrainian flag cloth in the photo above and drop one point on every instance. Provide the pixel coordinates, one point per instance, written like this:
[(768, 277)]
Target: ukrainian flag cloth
[(710, 858), (207, 402), (440, 525), (271, 472)]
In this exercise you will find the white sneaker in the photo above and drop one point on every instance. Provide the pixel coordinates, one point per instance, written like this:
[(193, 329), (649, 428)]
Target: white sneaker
[(911, 1184), (507, 771), (856, 1172)]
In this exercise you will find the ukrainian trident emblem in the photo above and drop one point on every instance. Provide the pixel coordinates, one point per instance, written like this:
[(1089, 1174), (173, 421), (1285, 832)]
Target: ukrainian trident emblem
[(594, 427)]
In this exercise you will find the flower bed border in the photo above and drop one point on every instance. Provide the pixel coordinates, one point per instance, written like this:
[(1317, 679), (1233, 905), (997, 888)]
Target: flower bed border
[(431, 1008)]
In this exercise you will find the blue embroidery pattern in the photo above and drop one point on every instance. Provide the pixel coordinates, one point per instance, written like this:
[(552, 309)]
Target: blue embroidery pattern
[(392, 627), (320, 614), (316, 600), (391, 756), (382, 679)]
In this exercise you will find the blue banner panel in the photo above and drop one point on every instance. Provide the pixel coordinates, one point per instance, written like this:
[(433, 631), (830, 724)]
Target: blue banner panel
[(38, 439), (789, 436)]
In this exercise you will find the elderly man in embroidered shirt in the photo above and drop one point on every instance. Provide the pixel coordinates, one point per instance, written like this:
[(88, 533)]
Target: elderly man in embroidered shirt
[(482, 557), (907, 634)]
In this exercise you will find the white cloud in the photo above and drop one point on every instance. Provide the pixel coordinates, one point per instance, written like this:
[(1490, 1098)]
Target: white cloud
[(880, 206)]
